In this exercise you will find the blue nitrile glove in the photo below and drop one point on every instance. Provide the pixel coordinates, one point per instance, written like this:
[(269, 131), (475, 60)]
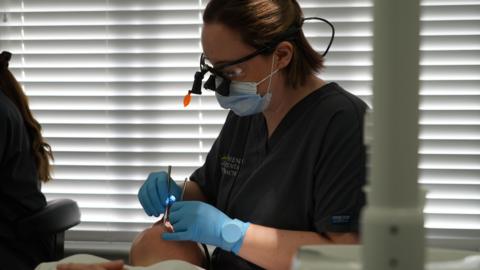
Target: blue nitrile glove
[(153, 194), (200, 222)]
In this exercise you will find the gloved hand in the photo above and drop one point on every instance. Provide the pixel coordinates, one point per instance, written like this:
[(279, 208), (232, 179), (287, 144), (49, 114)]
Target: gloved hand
[(201, 222), (153, 194)]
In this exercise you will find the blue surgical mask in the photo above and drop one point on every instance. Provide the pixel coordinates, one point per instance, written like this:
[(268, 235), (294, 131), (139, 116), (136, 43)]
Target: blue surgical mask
[(243, 99)]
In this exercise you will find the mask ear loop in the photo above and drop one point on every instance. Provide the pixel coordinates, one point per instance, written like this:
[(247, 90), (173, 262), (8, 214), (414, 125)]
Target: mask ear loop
[(272, 72), (269, 77)]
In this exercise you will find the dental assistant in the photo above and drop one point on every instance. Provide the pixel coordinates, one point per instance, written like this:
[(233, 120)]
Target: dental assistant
[(288, 166)]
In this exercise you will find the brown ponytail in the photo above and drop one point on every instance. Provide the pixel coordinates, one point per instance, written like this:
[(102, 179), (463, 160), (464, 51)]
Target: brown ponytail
[(40, 149)]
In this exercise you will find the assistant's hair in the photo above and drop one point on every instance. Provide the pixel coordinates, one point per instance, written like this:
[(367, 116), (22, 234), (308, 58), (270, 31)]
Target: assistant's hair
[(260, 21), (41, 150)]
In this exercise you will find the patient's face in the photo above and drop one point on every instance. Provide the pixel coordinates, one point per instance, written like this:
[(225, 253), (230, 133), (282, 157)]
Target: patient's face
[(149, 248)]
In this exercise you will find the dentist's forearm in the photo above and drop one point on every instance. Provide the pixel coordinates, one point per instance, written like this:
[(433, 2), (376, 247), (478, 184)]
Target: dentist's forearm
[(272, 248), (193, 192)]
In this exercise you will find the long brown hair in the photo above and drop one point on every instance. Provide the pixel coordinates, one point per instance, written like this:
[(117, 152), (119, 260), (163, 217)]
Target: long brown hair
[(41, 150), (260, 21)]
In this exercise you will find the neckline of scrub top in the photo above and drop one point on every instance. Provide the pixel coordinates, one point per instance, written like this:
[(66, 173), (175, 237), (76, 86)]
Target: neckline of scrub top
[(292, 115)]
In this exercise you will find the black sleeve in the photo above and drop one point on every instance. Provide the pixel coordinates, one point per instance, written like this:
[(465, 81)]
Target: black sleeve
[(207, 176), (340, 173)]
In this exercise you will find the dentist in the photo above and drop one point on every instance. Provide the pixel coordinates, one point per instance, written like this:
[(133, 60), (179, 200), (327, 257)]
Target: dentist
[(288, 166)]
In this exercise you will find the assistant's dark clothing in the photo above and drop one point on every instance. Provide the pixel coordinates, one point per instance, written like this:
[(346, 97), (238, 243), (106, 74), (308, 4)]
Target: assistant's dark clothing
[(20, 194), (308, 176)]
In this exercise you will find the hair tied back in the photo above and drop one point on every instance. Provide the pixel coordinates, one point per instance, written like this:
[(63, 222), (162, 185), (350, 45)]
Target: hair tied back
[(5, 59)]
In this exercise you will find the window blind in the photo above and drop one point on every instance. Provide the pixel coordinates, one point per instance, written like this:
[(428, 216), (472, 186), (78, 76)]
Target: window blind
[(450, 121), (106, 80)]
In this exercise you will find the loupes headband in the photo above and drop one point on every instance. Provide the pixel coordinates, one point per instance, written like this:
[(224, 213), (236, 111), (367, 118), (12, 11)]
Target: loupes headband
[(224, 88)]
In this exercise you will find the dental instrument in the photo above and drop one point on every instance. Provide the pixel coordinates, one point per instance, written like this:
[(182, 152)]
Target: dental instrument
[(167, 207), (184, 187)]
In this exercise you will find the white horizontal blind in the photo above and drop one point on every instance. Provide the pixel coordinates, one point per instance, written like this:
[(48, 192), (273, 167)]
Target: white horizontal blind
[(450, 121), (106, 80)]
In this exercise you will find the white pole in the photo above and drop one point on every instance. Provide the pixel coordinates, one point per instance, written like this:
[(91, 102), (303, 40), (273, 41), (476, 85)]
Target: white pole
[(392, 222)]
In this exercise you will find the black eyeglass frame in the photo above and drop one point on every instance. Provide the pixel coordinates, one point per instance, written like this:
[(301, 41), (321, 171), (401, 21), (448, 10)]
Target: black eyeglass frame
[(224, 88), (217, 70)]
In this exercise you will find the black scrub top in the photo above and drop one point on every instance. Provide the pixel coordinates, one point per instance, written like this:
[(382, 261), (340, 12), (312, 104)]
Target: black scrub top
[(20, 193), (308, 176)]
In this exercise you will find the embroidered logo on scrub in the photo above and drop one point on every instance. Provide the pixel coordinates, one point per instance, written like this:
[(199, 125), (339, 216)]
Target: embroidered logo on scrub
[(230, 165), (342, 219)]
